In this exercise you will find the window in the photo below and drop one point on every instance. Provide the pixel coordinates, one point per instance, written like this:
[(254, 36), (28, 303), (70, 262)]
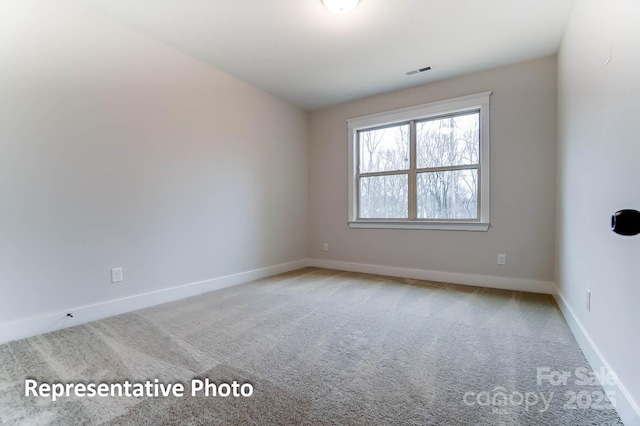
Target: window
[(425, 167)]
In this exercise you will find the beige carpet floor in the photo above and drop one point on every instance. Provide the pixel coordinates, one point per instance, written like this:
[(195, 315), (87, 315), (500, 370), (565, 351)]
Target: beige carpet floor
[(319, 347)]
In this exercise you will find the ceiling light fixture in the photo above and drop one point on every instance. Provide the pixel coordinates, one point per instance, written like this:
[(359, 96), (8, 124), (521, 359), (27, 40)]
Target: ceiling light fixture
[(340, 6)]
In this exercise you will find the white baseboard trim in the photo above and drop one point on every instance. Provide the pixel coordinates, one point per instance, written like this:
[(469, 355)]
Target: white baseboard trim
[(33, 326), (503, 283), (627, 408)]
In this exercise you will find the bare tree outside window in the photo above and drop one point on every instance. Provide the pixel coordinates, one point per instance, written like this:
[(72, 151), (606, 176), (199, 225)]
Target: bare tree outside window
[(422, 167), (434, 162), (448, 157), (383, 150), (386, 151)]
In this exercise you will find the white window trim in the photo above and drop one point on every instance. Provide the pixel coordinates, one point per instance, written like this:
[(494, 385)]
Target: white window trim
[(479, 101)]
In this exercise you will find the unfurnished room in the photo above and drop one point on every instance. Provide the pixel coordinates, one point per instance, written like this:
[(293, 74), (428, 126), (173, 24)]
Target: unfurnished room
[(319, 212)]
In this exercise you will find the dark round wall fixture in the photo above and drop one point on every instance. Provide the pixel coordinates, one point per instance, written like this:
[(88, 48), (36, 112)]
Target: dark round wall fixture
[(626, 222)]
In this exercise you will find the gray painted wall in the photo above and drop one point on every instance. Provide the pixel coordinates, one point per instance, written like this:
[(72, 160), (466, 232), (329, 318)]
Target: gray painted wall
[(523, 161), (116, 150), (599, 173)]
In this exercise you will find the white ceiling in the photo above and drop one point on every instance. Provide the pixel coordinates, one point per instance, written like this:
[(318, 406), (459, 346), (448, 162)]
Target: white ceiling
[(299, 51)]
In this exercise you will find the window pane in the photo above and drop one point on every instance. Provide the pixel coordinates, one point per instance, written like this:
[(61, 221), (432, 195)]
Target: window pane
[(449, 141), (384, 150), (448, 195), (384, 197)]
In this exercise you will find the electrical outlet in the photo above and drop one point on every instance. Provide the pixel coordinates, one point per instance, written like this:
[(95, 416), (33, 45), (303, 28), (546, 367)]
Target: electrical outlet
[(325, 247), (116, 275), (588, 300), (502, 259)]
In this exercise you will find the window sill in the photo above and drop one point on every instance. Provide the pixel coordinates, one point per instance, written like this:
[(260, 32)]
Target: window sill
[(442, 226)]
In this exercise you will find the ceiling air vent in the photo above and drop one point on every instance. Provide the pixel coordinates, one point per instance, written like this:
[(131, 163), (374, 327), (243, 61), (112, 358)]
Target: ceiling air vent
[(418, 70)]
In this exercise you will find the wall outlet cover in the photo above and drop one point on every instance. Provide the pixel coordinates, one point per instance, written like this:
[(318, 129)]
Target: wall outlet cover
[(116, 275)]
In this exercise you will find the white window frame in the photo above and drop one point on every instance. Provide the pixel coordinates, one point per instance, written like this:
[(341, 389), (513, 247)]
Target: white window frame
[(478, 102)]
